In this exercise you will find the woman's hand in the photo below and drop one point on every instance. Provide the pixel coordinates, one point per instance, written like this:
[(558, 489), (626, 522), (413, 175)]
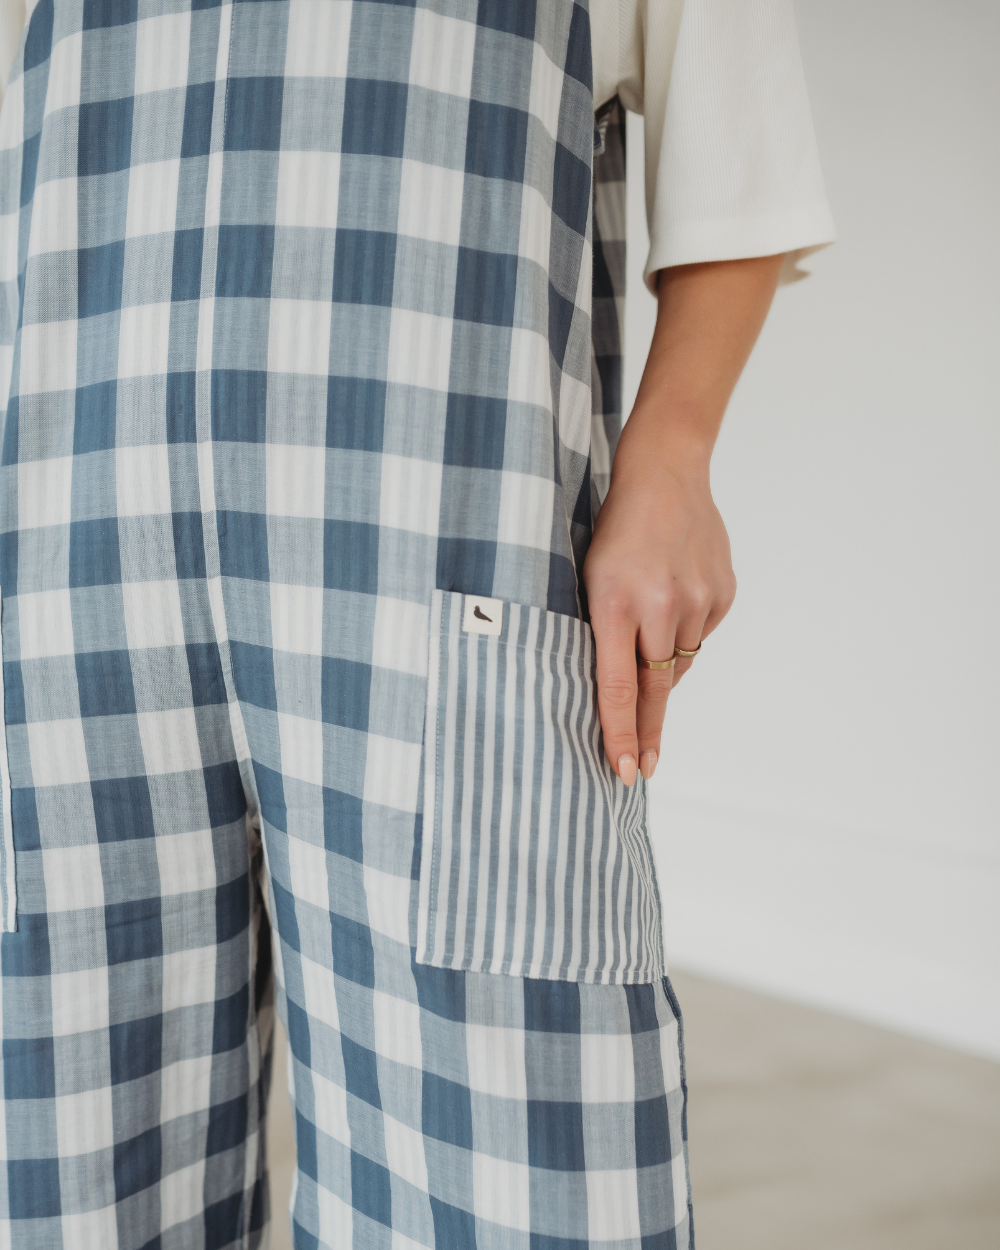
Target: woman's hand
[(658, 573), (659, 576)]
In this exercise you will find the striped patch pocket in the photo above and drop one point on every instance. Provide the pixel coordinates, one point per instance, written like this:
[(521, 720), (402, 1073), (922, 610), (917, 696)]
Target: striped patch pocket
[(535, 858)]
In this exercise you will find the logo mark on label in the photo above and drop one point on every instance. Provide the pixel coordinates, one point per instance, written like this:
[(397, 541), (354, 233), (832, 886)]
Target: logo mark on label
[(482, 616)]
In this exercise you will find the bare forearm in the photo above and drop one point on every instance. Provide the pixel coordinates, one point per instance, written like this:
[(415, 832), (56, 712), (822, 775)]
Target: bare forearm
[(659, 573), (708, 319)]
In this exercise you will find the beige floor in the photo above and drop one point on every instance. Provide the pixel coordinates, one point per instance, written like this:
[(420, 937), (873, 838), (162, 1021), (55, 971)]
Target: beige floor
[(812, 1132)]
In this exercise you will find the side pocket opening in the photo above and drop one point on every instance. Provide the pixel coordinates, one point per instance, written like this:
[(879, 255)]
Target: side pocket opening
[(8, 879), (535, 859)]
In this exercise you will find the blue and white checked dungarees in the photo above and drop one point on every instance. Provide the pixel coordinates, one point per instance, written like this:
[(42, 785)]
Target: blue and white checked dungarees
[(310, 357)]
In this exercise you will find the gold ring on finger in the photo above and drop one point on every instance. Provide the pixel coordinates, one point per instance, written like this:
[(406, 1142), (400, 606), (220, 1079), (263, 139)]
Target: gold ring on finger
[(657, 664), (686, 655)]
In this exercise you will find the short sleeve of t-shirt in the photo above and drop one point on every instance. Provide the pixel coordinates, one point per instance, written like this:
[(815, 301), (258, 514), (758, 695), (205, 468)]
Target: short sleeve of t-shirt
[(732, 168)]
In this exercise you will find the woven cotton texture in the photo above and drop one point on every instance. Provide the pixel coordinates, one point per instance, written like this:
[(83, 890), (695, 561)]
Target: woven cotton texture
[(536, 861), (296, 323)]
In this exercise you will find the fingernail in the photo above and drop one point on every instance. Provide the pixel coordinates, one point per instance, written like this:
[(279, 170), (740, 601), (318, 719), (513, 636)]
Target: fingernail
[(647, 762), (626, 768)]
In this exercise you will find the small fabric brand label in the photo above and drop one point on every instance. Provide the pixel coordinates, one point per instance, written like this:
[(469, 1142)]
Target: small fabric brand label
[(482, 616)]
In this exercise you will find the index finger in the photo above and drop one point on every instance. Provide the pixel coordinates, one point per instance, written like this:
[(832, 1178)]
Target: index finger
[(617, 691)]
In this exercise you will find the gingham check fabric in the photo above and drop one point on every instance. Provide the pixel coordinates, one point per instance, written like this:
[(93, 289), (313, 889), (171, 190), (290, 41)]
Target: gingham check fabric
[(608, 294), (297, 306)]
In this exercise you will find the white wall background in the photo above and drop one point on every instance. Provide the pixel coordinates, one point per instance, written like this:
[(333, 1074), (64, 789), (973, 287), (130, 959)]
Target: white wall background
[(825, 811)]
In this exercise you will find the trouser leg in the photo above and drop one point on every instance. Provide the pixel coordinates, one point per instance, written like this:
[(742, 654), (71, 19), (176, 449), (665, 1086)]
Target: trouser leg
[(433, 1107), (136, 991)]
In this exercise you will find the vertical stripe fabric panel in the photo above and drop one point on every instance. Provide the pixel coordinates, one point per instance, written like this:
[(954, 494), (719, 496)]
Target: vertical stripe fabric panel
[(536, 859)]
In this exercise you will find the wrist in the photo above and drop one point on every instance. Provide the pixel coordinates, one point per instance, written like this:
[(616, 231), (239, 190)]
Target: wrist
[(650, 444)]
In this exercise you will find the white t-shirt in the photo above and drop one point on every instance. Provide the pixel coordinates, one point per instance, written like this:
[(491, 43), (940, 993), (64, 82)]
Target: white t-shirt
[(731, 163)]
